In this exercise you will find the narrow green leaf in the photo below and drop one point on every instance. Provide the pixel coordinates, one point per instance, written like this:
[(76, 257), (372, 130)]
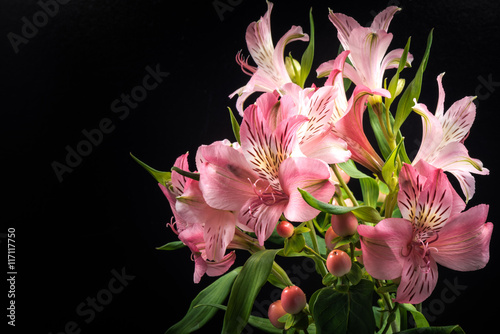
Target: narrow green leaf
[(235, 125), (261, 323), (379, 134), (307, 57), (350, 168), (172, 246), (435, 330), (412, 91), (394, 81), (197, 317), (247, 285), (369, 189), (161, 177), (419, 318), (363, 212)]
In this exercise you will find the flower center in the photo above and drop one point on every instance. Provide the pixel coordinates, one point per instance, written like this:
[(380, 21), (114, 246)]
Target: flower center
[(421, 246)]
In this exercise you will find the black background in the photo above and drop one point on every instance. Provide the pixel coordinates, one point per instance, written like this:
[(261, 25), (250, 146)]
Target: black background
[(108, 214)]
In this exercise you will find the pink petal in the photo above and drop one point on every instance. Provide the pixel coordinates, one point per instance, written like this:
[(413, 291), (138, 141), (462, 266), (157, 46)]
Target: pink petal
[(454, 158), (432, 133), (327, 147), (392, 59), (294, 34), (383, 19), (218, 232), (435, 203), (418, 279), (344, 24), (259, 38), (311, 175), (200, 268), (383, 246), (261, 217), (440, 103), (458, 120), (463, 243), (225, 177), (178, 180), (266, 149), (179, 220), (350, 129), (220, 267), (367, 51)]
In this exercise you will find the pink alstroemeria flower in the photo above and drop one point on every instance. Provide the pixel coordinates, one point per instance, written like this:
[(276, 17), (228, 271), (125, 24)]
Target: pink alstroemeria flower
[(189, 208), (368, 47), (433, 230), (315, 137), (271, 73), (193, 237), (443, 139), (347, 116), (260, 179)]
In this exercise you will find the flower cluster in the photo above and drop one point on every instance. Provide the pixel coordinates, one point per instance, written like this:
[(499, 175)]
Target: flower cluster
[(296, 148)]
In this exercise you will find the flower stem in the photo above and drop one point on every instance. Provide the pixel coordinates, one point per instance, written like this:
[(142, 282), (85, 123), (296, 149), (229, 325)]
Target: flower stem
[(344, 185), (319, 264)]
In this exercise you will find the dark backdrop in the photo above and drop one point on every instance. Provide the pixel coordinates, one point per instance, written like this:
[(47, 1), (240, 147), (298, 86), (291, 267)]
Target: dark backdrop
[(103, 217)]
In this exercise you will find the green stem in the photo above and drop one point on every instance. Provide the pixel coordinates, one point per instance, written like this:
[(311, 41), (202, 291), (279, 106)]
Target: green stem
[(319, 264), (344, 185)]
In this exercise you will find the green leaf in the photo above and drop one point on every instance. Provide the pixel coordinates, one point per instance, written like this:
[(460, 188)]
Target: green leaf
[(247, 285), (363, 212), (161, 177), (235, 125), (350, 312), (197, 317), (369, 189), (261, 323), (321, 243), (307, 57), (435, 330), (171, 246), (419, 318), (355, 274), (412, 91), (350, 168), (394, 81), (379, 134)]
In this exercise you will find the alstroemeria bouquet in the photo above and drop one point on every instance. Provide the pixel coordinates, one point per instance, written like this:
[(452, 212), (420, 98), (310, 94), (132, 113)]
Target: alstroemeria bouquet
[(281, 190)]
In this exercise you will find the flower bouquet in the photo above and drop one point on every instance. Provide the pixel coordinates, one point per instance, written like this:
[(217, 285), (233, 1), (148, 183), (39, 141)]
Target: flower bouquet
[(281, 189)]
